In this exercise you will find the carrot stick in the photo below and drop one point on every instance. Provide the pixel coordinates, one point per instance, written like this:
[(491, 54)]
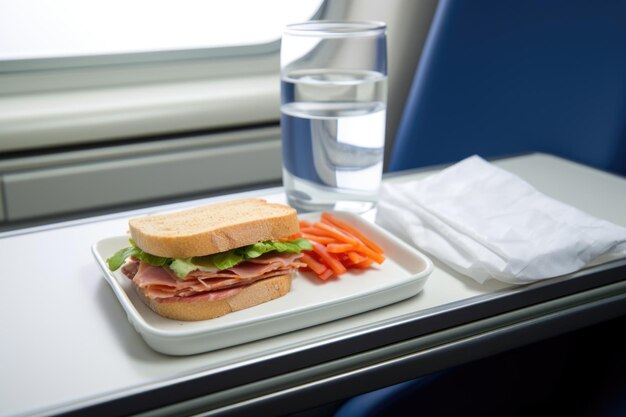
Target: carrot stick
[(335, 221), (314, 265), (365, 264), (321, 239), (356, 257), (336, 233), (313, 230), (376, 257), (339, 247), (326, 274), (328, 258), (304, 223)]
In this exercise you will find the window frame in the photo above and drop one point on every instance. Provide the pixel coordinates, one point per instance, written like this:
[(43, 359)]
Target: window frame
[(37, 95)]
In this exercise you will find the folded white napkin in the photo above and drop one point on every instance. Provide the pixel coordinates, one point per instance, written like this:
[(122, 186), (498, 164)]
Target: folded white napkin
[(487, 223)]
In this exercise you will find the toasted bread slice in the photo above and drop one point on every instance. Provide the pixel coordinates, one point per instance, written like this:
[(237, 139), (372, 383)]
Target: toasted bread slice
[(260, 292), (213, 228)]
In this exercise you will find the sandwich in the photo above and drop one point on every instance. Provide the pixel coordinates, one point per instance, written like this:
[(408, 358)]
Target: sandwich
[(208, 261)]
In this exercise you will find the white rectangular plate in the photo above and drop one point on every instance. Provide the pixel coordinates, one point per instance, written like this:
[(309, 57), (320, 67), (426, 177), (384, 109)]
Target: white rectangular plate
[(310, 301)]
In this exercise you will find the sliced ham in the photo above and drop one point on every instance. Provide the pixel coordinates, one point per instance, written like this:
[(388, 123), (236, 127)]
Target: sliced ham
[(130, 268), (161, 283)]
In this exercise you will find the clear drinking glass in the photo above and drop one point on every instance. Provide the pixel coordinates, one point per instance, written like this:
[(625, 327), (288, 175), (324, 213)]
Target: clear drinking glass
[(333, 112)]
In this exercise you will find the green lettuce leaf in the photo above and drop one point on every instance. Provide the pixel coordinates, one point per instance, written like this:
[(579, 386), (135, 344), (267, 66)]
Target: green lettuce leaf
[(118, 258), (228, 259), (294, 246), (222, 260), (256, 250), (182, 267)]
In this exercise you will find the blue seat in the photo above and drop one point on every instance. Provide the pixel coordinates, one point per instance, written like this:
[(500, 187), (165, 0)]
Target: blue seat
[(506, 77)]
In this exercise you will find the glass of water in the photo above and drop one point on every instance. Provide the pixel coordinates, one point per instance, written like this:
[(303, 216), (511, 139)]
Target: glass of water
[(333, 112)]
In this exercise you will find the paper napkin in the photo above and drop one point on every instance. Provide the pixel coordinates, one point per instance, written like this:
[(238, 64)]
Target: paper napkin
[(487, 223)]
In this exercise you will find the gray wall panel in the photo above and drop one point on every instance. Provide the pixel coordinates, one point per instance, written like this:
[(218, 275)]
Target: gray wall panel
[(79, 187)]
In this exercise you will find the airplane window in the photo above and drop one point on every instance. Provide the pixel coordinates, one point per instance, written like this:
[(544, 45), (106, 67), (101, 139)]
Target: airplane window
[(32, 29)]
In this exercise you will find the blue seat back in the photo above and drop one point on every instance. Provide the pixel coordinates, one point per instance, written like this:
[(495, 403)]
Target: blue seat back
[(508, 76)]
